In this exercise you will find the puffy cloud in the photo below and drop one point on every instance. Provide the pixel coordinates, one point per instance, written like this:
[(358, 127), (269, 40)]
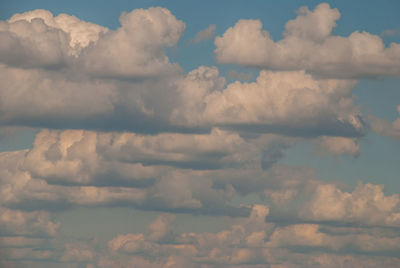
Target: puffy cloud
[(33, 223), (22, 98), (33, 44), (289, 102), (253, 241), (205, 34), (81, 168), (38, 39), (137, 48), (86, 157), (308, 44), (81, 33), (225, 247), (292, 103), (78, 96), (367, 205)]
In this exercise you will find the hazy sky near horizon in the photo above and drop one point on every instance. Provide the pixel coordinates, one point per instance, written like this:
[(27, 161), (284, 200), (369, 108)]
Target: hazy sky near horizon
[(199, 134)]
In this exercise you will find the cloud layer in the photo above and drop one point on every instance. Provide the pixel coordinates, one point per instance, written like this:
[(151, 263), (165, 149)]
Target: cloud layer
[(120, 125)]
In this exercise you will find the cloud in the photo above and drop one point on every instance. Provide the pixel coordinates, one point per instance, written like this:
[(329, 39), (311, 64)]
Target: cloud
[(79, 168), (383, 127), (16, 222), (205, 34), (113, 90), (308, 44), (288, 102), (136, 49), (250, 240), (81, 33), (254, 241), (134, 131), (338, 145), (38, 39), (391, 32), (205, 247), (367, 205)]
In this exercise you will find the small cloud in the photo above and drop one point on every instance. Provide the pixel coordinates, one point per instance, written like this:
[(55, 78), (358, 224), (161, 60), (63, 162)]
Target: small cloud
[(205, 34), (391, 32), (240, 76)]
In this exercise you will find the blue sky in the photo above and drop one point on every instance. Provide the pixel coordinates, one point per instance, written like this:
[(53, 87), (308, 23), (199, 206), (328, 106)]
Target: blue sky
[(270, 129)]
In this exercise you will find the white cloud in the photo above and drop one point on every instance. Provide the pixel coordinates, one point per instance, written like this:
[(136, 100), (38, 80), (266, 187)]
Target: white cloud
[(277, 101), (137, 48), (308, 44)]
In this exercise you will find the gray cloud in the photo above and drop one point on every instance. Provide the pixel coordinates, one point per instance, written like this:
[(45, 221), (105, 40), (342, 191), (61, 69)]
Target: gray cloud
[(205, 34)]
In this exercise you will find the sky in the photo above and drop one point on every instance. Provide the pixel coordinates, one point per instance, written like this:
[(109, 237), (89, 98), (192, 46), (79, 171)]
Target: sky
[(199, 134)]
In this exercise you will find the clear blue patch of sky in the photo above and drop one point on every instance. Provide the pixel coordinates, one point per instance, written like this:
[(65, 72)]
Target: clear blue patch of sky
[(378, 163), (18, 140)]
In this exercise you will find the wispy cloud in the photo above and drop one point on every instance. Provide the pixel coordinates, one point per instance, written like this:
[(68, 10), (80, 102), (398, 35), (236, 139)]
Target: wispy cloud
[(205, 34)]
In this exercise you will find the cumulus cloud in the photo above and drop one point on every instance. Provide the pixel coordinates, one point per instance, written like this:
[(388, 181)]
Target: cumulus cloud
[(137, 48), (288, 102), (80, 168), (308, 44), (84, 96), (205, 34), (38, 39), (367, 205), (81, 33), (219, 248), (18, 222), (88, 158), (254, 241), (100, 84), (212, 144)]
